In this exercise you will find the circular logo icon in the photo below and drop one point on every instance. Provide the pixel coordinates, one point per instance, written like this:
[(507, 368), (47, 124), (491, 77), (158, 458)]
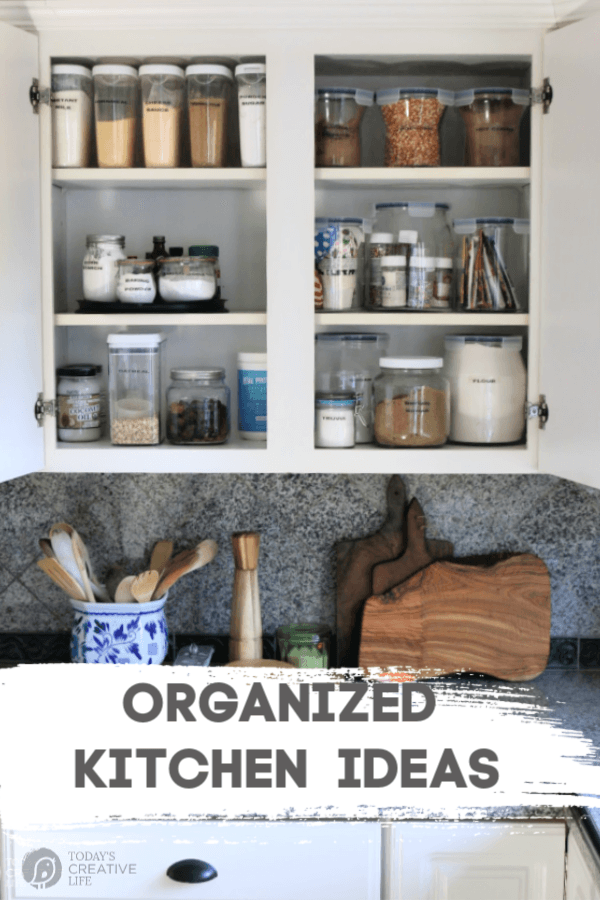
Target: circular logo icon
[(41, 868)]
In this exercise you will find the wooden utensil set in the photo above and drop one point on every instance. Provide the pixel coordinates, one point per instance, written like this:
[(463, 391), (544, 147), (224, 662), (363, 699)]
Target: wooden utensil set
[(67, 562)]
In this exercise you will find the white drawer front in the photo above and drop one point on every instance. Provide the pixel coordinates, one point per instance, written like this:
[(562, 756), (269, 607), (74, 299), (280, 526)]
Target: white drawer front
[(254, 861)]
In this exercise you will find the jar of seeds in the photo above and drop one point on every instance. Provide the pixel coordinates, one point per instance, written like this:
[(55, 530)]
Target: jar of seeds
[(412, 119)]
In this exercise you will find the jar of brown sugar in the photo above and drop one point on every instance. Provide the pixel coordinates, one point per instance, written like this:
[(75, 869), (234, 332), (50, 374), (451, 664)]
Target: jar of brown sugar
[(412, 402), (208, 89)]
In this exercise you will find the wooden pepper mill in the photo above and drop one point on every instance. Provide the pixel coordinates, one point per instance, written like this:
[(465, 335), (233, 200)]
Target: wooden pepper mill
[(245, 632)]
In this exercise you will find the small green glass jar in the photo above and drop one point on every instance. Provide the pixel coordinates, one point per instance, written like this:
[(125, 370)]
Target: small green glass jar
[(304, 645)]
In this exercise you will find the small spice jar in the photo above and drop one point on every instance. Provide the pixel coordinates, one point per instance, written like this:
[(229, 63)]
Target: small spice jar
[(100, 269), (334, 418), (187, 278), (381, 243), (421, 282), (492, 117), (198, 403), (338, 115), (80, 403), (412, 118), (393, 282), (412, 402), (304, 645), (135, 282)]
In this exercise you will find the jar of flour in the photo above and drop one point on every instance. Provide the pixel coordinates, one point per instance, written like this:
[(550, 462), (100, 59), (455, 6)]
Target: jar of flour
[(71, 104), (487, 388)]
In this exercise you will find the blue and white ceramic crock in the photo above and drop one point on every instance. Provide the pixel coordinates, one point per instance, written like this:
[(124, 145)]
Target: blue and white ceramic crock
[(133, 633)]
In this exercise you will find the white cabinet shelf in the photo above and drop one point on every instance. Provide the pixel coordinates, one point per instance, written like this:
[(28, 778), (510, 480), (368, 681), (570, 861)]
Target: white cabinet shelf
[(445, 320), (160, 319), (173, 179), (450, 176)]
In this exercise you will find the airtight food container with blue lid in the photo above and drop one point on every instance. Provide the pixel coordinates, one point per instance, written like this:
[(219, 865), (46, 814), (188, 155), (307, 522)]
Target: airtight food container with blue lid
[(492, 118)]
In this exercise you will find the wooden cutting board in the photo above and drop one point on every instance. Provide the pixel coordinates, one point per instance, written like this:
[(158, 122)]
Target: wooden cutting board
[(460, 618)]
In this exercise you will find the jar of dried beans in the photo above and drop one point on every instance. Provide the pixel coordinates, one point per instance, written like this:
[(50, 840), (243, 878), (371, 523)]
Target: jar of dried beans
[(492, 118), (412, 117), (198, 406), (412, 402), (339, 111)]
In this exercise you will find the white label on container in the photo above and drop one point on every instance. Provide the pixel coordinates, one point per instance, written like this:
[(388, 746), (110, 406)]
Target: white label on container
[(79, 411)]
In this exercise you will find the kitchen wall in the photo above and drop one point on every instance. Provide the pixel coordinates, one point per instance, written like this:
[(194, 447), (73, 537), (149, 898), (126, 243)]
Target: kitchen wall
[(300, 518)]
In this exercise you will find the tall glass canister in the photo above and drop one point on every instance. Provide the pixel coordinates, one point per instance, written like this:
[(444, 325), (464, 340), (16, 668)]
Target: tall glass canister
[(134, 388)]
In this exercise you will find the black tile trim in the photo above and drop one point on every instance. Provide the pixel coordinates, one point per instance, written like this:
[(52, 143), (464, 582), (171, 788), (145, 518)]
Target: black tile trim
[(564, 653), (589, 653)]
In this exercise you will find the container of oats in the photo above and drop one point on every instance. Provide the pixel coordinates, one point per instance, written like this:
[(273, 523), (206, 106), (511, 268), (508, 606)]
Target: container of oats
[(134, 388), (412, 119)]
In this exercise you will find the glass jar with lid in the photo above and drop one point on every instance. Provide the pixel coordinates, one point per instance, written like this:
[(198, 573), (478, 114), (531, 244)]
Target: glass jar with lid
[(198, 404), (80, 403), (492, 263), (135, 282), (349, 361), (208, 90), (412, 402), (100, 269), (304, 645), (338, 114), (187, 278), (208, 251), (488, 388), (492, 117), (412, 119)]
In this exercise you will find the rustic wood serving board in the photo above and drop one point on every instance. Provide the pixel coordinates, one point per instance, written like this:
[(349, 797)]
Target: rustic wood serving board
[(462, 618)]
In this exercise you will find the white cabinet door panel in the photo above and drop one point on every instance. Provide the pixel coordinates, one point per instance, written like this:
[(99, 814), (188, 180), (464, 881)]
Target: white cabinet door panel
[(21, 441), (254, 861), (570, 295), (475, 861), (582, 882)]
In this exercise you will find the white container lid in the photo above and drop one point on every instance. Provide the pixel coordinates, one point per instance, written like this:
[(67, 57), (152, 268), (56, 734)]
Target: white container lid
[(408, 237), (157, 69), (392, 261), (382, 237), (251, 69), (71, 70), (444, 262), (411, 362), (206, 69), (134, 340), (252, 358), (423, 262), (114, 70)]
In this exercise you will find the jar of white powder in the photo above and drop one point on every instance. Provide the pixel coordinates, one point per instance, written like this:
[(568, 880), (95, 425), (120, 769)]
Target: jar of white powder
[(135, 283), (71, 104), (187, 278), (100, 270), (252, 96), (487, 388)]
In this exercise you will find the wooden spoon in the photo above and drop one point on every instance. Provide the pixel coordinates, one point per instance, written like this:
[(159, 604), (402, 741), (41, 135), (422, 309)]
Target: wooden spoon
[(63, 579), (60, 541), (79, 554), (46, 548), (143, 585), (161, 555), (123, 592), (185, 562), (99, 589)]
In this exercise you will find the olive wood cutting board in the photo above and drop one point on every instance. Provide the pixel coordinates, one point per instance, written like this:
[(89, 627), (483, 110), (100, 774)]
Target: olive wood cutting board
[(451, 617), (396, 551)]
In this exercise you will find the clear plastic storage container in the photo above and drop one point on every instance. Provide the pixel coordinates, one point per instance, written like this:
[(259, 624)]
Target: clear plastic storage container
[(71, 98), (208, 91), (334, 419), (349, 361), (115, 104), (340, 261), (338, 114), (492, 118), (163, 89), (134, 388), (412, 402), (412, 119), (198, 402), (252, 108), (492, 263), (487, 386)]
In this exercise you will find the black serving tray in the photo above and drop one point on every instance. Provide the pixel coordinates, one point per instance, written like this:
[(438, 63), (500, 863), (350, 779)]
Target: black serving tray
[(94, 307)]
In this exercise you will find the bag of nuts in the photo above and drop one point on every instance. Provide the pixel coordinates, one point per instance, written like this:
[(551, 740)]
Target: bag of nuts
[(412, 117)]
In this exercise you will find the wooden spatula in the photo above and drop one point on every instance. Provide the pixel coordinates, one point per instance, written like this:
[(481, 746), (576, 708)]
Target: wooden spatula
[(143, 585), (123, 592), (161, 554), (62, 578), (185, 562)]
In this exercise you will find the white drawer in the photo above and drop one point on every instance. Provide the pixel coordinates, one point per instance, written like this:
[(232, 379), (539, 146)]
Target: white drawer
[(253, 860)]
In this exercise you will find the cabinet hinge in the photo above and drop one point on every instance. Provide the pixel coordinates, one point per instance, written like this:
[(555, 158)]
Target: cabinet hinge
[(543, 94), (38, 95), (43, 408), (539, 411)]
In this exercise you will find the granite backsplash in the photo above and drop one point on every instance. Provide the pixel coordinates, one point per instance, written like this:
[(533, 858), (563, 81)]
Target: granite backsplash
[(300, 518)]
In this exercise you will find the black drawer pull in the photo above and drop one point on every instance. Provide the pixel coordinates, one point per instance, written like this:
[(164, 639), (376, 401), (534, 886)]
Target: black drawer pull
[(191, 871)]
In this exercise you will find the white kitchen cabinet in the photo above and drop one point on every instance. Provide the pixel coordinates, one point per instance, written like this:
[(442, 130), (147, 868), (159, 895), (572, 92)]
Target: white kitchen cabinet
[(583, 869), (263, 221), (253, 861), (474, 860)]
